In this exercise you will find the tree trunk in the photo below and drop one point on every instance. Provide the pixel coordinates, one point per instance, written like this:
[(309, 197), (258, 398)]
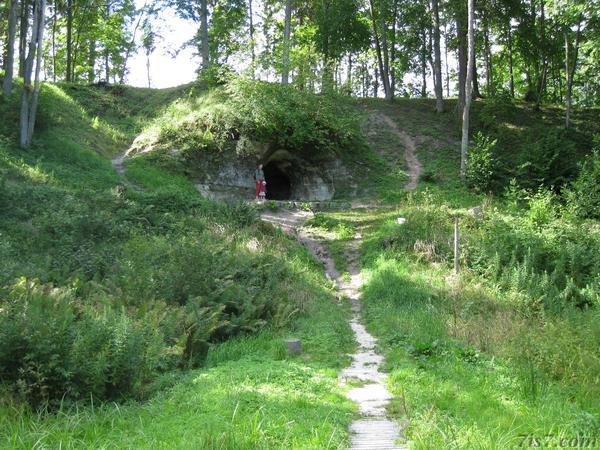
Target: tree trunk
[(205, 52), (54, 26), (29, 97), (386, 54), (464, 149), (349, 74), (437, 58), (69, 40), (384, 75), (511, 80), (92, 62), (570, 71), (252, 43), (541, 82), (131, 43), (148, 69), (393, 52), (285, 73), (23, 30), (489, 74), (475, 92), (446, 58), (9, 62), (461, 31), (424, 54), (106, 50)]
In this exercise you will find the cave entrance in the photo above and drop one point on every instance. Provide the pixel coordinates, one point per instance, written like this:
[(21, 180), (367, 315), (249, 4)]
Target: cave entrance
[(279, 186)]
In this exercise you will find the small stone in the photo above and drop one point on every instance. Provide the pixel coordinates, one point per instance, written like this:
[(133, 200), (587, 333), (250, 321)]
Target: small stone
[(401, 220), (476, 212), (294, 346)]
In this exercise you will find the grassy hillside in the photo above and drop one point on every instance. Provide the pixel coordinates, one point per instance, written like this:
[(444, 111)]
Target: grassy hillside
[(505, 354), (147, 316), (110, 295)]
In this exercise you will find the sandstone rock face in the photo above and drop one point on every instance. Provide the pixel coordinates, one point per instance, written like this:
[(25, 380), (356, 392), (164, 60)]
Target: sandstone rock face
[(289, 177)]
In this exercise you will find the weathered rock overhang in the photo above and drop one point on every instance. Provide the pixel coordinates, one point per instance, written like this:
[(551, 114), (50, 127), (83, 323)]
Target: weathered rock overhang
[(288, 176)]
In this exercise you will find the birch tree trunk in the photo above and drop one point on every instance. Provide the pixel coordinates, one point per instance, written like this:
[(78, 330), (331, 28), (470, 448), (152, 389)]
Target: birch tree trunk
[(9, 63), (464, 148), (437, 58), (285, 72), (29, 98), (424, 64)]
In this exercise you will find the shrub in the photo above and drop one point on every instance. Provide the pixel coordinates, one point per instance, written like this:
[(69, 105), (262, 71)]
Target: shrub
[(583, 196), (52, 347), (549, 158), (542, 208), (480, 166)]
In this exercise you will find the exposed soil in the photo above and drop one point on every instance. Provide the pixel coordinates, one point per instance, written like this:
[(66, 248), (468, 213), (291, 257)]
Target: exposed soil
[(410, 152), (119, 164)]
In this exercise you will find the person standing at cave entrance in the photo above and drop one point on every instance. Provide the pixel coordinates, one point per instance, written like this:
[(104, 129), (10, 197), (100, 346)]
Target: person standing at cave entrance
[(259, 177), (262, 195)]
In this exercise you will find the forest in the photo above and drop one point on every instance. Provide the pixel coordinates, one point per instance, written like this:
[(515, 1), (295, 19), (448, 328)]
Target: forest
[(430, 242)]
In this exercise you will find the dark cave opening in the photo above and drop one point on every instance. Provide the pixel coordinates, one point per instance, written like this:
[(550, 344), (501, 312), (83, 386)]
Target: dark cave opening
[(279, 186)]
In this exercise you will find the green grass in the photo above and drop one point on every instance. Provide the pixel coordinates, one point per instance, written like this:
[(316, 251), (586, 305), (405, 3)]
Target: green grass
[(146, 256), (251, 395), (467, 368), (493, 358)]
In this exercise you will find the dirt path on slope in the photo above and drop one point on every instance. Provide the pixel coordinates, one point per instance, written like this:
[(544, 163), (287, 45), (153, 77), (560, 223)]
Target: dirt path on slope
[(373, 430), (410, 152), (118, 164)]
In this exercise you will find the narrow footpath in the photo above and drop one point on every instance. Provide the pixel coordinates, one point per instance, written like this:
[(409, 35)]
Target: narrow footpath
[(373, 430)]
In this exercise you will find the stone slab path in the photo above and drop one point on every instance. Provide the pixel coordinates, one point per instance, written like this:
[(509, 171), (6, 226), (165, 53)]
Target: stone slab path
[(373, 430)]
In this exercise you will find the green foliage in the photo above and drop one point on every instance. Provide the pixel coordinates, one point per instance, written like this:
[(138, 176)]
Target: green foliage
[(341, 229), (583, 196), (481, 164), (133, 282), (247, 117), (550, 158), (459, 350), (52, 347)]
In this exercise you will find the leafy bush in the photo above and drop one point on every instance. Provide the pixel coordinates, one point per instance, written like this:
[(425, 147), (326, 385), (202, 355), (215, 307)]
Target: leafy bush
[(549, 158), (52, 347), (481, 164), (542, 208), (583, 197)]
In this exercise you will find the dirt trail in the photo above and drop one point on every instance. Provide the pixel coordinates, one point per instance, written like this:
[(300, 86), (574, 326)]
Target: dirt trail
[(118, 164), (373, 430), (410, 152)]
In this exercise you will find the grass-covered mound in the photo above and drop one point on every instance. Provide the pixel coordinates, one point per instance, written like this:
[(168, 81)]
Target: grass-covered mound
[(252, 121), (105, 293)]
